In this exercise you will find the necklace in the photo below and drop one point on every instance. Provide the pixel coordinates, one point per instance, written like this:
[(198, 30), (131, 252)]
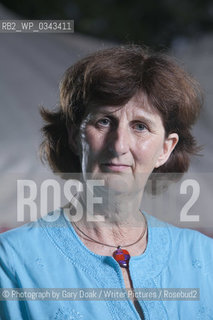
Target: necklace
[(122, 256)]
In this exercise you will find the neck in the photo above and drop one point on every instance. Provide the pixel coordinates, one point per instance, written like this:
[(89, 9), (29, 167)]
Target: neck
[(117, 221)]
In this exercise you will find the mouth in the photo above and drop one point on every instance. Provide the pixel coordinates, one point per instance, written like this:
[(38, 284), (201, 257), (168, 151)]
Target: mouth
[(116, 167)]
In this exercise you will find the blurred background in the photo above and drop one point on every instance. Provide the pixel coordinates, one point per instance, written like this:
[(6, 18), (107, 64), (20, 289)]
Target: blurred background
[(156, 23), (31, 66)]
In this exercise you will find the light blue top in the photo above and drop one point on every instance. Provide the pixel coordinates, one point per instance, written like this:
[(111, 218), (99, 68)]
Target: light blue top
[(51, 255)]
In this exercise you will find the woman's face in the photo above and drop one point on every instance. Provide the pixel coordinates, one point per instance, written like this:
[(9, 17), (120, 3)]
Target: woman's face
[(124, 144)]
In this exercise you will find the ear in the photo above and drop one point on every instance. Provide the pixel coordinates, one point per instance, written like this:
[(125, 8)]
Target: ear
[(73, 139), (168, 146)]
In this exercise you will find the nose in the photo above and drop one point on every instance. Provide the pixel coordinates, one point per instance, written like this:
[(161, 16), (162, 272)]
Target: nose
[(119, 141)]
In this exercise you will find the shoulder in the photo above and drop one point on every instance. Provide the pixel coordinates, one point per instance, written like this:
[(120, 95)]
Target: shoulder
[(20, 235), (193, 248), (186, 246), (23, 240), (190, 239), (184, 237)]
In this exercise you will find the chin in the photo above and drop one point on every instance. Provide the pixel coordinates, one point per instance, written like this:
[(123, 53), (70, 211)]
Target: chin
[(116, 182)]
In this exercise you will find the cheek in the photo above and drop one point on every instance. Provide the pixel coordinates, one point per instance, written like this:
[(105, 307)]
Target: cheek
[(148, 151), (94, 142)]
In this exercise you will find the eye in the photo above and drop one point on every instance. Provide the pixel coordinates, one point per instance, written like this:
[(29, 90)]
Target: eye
[(139, 126), (104, 122)]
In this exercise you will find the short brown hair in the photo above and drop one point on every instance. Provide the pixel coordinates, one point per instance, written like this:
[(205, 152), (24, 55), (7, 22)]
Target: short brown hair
[(112, 77)]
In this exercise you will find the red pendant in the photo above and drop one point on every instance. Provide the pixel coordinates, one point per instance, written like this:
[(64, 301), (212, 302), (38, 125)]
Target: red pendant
[(122, 256)]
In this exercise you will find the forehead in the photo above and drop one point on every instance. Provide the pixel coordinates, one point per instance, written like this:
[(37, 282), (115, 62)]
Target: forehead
[(137, 105)]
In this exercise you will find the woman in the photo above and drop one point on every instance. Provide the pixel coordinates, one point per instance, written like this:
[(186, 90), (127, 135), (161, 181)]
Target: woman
[(124, 113)]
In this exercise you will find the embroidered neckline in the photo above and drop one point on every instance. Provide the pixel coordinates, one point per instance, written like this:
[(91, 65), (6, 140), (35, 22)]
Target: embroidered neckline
[(151, 261), (106, 272)]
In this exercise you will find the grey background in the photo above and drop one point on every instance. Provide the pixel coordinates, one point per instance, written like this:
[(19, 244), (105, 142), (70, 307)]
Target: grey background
[(31, 66)]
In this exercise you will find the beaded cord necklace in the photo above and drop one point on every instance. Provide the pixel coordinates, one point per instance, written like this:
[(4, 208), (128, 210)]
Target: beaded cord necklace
[(122, 256)]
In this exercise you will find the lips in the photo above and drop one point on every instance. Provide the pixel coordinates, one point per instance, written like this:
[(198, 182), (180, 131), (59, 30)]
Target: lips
[(116, 166)]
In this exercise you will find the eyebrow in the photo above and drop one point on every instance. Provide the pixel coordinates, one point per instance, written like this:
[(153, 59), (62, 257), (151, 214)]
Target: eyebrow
[(106, 113), (145, 119)]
